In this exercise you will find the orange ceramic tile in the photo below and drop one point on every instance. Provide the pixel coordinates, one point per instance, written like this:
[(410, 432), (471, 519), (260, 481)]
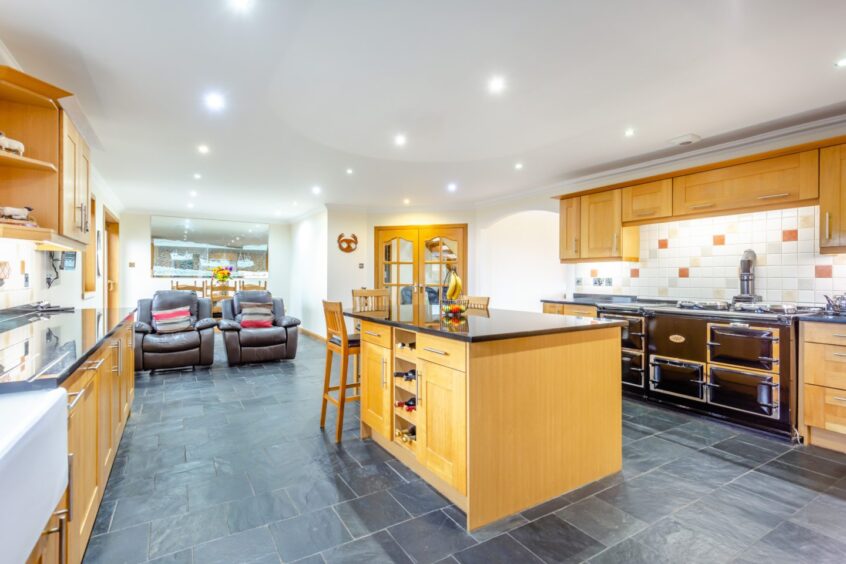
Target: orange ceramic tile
[(662, 243), (790, 235), (719, 240), (684, 272), (635, 273), (822, 271), (594, 273)]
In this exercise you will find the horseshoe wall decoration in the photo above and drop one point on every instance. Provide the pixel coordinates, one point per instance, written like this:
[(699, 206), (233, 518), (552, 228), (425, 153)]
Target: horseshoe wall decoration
[(347, 244)]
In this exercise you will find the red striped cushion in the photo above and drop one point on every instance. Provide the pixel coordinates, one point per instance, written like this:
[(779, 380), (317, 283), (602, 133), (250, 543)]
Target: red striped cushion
[(256, 314), (172, 320)]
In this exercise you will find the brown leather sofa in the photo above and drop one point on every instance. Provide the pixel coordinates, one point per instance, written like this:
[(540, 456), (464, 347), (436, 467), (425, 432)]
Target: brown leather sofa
[(247, 345), (195, 347)]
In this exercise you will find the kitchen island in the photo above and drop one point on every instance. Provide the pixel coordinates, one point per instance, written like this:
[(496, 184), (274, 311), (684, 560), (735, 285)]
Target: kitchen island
[(500, 411)]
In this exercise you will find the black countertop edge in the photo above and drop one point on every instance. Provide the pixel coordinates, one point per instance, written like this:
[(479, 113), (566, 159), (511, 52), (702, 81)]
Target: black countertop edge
[(824, 318), (599, 299), (85, 355), (584, 324)]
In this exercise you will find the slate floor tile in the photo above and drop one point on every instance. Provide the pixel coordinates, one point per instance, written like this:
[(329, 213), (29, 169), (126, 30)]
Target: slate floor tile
[(730, 527), (666, 449), (711, 467), (371, 513), (652, 496), (496, 528), (601, 520), (418, 497), (738, 447), (182, 557), (786, 484), (182, 531), (430, 537), (498, 550), (218, 490), (677, 542), (104, 518), (378, 548), (308, 534), (629, 552), (793, 543), (259, 510), (812, 463), (371, 478), (546, 507), (185, 473), (555, 540), (825, 514), (316, 493), (594, 487), (143, 508), (254, 545), (127, 545)]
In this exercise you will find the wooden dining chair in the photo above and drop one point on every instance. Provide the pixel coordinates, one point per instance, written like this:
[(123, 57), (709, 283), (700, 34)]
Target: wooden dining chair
[(372, 303), (245, 285), (220, 291), (476, 302), (198, 286), (338, 341)]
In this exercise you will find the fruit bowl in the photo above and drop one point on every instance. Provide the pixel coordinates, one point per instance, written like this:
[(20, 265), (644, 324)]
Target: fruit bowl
[(453, 309)]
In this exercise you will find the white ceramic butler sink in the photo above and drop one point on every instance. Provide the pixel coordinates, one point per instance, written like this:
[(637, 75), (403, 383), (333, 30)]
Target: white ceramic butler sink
[(33, 467)]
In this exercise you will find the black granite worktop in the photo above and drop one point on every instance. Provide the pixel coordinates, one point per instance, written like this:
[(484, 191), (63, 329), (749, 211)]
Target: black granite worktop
[(823, 318), (591, 299), (496, 324), (41, 350)]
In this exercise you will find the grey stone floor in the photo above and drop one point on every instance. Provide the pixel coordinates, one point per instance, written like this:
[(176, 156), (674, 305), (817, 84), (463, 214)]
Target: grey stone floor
[(229, 465)]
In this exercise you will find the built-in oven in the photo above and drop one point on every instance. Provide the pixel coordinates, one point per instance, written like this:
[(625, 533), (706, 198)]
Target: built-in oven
[(675, 377), (743, 390), (634, 372), (744, 345), (633, 334)]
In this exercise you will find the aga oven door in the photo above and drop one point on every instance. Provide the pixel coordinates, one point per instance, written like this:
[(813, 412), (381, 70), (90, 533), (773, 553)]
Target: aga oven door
[(750, 392), (633, 369), (677, 377), (740, 344), (633, 332)]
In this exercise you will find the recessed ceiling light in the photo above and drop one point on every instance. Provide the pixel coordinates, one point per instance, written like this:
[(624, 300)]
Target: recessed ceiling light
[(193, 193), (214, 101), (190, 204), (350, 171), (496, 84), (452, 187), (278, 212), (316, 190), (198, 176), (841, 64), (629, 132), (406, 201), (203, 149), (241, 6), (518, 166), (295, 204), (249, 230), (400, 140)]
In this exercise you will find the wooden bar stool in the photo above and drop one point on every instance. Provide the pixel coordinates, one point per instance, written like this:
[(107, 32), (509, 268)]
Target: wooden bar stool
[(338, 341)]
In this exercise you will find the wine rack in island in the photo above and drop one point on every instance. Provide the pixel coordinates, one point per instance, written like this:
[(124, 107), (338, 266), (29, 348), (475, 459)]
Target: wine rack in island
[(406, 388)]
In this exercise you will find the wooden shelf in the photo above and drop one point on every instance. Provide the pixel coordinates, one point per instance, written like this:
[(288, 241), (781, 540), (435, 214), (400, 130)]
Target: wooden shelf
[(406, 355), (410, 387), (409, 445), (46, 239), (408, 416), (21, 88), (15, 161)]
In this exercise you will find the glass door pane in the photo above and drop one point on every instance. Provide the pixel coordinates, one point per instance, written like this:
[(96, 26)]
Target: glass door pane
[(440, 253), (398, 271)]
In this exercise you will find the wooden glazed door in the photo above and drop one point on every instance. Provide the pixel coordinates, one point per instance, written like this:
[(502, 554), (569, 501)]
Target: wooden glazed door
[(375, 394), (601, 224), (441, 249), (442, 427), (396, 252)]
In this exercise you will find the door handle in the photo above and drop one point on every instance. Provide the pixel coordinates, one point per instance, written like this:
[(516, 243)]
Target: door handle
[(76, 397), (372, 334), (774, 196), (827, 226), (644, 213), (61, 529), (436, 351), (417, 382), (95, 364), (70, 486), (384, 362), (702, 206)]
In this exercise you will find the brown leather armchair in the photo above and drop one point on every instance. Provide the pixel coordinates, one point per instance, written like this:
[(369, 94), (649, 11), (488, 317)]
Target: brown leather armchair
[(195, 347), (246, 345)]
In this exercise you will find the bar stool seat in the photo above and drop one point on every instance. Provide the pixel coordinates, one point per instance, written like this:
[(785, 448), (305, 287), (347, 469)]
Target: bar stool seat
[(340, 342)]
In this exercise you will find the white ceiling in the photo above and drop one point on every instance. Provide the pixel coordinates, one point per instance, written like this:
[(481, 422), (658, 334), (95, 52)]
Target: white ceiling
[(315, 87)]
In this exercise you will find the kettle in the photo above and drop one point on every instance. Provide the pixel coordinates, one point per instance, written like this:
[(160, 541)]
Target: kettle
[(836, 304)]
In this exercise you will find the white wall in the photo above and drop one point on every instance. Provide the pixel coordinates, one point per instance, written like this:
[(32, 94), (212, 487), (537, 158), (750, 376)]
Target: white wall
[(279, 262), (343, 272), (308, 285)]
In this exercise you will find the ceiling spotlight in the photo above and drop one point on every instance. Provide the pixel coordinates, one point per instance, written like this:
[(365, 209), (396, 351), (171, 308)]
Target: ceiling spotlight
[(190, 204), (406, 201), (278, 213), (198, 176), (316, 190), (249, 230), (452, 187), (496, 84), (841, 64), (400, 140), (203, 149), (241, 6), (193, 193), (629, 132), (214, 101), (518, 166), (295, 204), (350, 171)]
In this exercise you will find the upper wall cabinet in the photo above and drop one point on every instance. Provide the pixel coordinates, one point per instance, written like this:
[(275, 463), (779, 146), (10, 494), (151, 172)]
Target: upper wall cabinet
[(75, 183), (832, 200), (759, 184), (591, 228), (647, 202)]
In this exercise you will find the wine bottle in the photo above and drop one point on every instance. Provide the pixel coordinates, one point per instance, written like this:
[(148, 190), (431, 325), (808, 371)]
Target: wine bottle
[(409, 403)]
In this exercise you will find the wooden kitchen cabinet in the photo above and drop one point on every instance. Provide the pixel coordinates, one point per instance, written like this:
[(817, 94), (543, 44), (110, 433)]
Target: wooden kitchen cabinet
[(759, 184), (376, 379), (580, 310), (647, 202), (442, 422), (75, 180), (823, 384), (51, 547), (832, 199), (569, 229)]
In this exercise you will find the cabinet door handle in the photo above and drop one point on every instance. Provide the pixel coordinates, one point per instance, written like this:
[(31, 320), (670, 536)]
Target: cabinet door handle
[(70, 486), (62, 530), (95, 364), (644, 213), (839, 398), (417, 392), (384, 362), (774, 196), (76, 397), (435, 351), (841, 335), (372, 334), (839, 354), (827, 226), (703, 206)]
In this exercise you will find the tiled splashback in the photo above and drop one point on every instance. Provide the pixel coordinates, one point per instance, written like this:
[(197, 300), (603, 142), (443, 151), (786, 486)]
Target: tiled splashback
[(700, 258)]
